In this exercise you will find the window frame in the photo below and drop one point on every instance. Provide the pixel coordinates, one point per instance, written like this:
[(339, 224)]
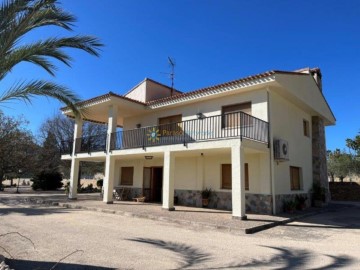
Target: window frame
[(246, 175), (293, 186), (247, 110), (306, 128), (124, 182), (175, 127), (228, 165), (247, 178)]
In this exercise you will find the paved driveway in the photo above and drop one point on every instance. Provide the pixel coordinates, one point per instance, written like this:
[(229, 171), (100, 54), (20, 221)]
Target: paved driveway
[(107, 241)]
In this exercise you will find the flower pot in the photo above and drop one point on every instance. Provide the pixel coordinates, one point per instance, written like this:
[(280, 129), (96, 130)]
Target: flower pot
[(205, 202)]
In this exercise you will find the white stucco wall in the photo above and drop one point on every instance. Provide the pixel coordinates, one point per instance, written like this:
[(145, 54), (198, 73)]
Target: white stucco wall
[(193, 174), (138, 92), (287, 123), (208, 107)]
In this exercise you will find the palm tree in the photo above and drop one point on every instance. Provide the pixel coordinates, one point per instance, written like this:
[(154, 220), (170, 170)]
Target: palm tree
[(19, 17)]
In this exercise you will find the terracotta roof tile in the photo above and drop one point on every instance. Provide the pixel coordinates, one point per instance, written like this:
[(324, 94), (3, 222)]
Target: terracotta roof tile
[(194, 92)]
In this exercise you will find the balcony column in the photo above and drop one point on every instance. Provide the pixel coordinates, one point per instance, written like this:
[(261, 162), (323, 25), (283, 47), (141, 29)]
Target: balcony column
[(238, 182), (109, 178), (75, 163), (168, 181)]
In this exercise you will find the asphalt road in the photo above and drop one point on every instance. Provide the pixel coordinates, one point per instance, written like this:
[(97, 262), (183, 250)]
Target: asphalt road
[(106, 241)]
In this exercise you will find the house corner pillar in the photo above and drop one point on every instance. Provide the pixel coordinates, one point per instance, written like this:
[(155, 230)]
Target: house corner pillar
[(238, 182), (75, 163), (319, 162), (169, 181)]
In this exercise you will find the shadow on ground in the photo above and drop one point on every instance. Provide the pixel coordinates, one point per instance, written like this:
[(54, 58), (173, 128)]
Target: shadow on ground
[(286, 258), (35, 265), (34, 210), (337, 216)]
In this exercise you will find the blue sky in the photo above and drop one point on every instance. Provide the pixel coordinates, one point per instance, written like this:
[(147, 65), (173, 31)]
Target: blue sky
[(212, 42)]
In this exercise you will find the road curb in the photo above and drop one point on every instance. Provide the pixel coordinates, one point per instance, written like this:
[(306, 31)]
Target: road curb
[(194, 224)]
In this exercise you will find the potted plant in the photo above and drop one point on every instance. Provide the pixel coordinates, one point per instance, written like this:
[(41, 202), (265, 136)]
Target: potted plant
[(300, 201), (205, 195), (289, 206)]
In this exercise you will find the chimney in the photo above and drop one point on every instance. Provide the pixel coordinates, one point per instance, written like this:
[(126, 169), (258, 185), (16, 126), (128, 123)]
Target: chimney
[(316, 73)]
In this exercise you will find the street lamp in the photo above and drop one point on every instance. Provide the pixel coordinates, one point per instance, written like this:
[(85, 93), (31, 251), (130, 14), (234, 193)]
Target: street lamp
[(17, 187)]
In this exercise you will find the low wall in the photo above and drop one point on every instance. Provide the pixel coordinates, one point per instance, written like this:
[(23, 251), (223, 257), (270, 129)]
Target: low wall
[(255, 203), (346, 191), (281, 198)]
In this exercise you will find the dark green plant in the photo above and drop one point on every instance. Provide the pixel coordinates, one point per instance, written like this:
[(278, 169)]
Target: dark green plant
[(289, 205), (206, 193), (47, 181), (100, 183), (300, 201), (318, 192)]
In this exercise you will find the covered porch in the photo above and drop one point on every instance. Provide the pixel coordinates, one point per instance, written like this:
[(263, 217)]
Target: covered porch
[(176, 175)]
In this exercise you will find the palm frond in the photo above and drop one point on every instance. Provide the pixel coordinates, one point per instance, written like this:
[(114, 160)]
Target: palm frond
[(28, 15), (25, 91)]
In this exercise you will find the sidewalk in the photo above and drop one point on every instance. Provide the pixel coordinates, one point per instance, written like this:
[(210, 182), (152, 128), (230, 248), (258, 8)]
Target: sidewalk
[(198, 218)]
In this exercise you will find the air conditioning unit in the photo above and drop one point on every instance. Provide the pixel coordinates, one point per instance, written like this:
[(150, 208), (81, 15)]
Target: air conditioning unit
[(281, 150)]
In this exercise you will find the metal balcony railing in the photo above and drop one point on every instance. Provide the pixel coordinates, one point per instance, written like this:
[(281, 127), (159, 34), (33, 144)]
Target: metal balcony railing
[(88, 144), (217, 127), (231, 125), (66, 147)]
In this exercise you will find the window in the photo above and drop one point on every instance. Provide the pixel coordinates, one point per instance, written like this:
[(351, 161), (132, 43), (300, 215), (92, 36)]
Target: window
[(226, 176), (306, 128), (295, 178), (246, 176), (231, 115), (170, 125), (127, 176)]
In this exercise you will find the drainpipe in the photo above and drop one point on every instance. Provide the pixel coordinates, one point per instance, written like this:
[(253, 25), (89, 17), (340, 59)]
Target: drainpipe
[(271, 153)]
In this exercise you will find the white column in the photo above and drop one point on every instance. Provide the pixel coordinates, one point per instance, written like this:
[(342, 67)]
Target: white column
[(168, 181), (74, 172), (238, 182), (109, 178)]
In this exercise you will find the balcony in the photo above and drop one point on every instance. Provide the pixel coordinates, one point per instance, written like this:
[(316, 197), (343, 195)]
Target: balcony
[(232, 125)]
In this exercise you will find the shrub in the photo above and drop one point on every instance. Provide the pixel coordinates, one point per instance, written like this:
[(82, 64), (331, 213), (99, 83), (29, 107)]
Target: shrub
[(47, 181), (99, 183)]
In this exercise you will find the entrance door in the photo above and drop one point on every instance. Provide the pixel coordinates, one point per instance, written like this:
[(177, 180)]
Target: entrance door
[(152, 186)]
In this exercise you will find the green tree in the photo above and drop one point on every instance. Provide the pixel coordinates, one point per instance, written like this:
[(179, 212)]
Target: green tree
[(340, 164), (49, 155), (18, 18), (62, 129), (17, 147), (354, 146)]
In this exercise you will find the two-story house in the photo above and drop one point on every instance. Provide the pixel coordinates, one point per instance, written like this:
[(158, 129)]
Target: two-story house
[(255, 141)]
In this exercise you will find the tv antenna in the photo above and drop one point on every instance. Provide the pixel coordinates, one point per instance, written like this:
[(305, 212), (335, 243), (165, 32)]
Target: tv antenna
[(172, 73)]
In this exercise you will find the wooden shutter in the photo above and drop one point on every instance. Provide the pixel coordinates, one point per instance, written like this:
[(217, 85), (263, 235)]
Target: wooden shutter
[(230, 116), (295, 178), (170, 125), (246, 167), (226, 176), (127, 176)]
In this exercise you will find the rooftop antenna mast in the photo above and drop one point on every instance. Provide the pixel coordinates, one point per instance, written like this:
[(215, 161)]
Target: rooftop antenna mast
[(172, 73)]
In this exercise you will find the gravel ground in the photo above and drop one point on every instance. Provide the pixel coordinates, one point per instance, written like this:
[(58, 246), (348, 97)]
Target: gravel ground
[(108, 241)]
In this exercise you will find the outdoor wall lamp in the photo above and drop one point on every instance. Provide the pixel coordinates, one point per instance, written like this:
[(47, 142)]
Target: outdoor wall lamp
[(200, 115), (149, 157), (138, 125)]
